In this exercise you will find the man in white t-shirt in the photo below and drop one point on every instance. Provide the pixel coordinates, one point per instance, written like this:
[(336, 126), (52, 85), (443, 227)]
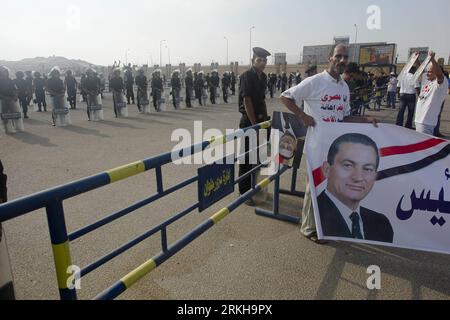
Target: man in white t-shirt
[(431, 97), (409, 89), (392, 90), (327, 98)]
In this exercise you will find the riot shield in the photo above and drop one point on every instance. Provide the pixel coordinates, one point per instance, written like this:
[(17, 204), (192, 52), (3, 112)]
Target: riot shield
[(11, 116), (95, 107)]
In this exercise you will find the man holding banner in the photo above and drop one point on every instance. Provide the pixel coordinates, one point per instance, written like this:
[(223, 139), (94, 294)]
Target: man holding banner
[(327, 99), (431, 97)]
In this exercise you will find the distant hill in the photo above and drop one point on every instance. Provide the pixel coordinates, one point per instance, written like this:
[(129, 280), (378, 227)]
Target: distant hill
[(44, 65)]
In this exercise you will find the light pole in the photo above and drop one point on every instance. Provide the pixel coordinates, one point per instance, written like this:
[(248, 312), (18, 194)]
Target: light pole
[(126, 57), (168, 53), (251, 43), (160, 53), (227, 48), (356, 34)]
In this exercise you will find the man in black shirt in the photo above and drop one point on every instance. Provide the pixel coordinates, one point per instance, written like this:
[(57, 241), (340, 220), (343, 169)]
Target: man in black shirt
[(189, 84), (252, 106), (71, 86), (39, 90)]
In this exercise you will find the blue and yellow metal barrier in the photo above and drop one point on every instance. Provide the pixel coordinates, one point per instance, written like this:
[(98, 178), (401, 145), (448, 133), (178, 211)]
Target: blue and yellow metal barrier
[(52, 200)]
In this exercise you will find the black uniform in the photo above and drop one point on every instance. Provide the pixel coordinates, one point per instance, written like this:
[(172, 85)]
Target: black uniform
[(39, 90), (199, 83), (233, 83), (157, 88), (82, 89), (226, 81), (284, 81), (189, 84), (213, 84), (29, 84), (55, 86), (116, 85), (175, 82), (272, 83), (141, 82), (71, 87), (22, 92), (129, 81), (253, 86)]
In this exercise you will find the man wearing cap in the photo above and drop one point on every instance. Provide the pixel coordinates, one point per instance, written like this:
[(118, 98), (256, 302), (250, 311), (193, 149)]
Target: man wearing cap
[(316, 91), (252, 106)]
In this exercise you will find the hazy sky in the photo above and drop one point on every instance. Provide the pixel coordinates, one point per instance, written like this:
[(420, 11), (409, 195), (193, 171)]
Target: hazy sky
[(101, 31)]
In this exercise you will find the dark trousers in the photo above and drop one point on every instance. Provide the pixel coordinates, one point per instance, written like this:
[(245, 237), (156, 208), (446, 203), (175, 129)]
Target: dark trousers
[(40, 100), (130, 94), (24, 104), (72, 98), (188, 97), (233, 89), (246, 184), (391, 100), (225, 95), (155, 99), (406, 101), (212, 96)]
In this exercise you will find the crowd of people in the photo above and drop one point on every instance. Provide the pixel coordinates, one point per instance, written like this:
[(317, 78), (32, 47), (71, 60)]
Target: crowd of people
[(367, 90)]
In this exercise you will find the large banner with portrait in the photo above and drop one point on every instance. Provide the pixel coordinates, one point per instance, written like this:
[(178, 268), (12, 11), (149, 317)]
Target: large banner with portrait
[(386, 185), (377, 54)]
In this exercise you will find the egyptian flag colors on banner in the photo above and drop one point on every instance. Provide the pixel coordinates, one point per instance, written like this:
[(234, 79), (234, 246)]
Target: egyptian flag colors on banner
[(405, 202)]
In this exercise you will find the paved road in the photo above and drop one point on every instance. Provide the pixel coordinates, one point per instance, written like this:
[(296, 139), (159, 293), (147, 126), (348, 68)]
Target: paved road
[(244, 257)]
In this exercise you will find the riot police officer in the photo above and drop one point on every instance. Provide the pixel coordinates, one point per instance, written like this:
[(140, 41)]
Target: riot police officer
[(21, 85), (199, 84), (189, 84), (142, 84), (213, 84), (175, 83), (116, 86), (226, 82), (157, 88), (129, 82), (92, 86), (39, 90), (252, 106), (233, 83), (71, 86)]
